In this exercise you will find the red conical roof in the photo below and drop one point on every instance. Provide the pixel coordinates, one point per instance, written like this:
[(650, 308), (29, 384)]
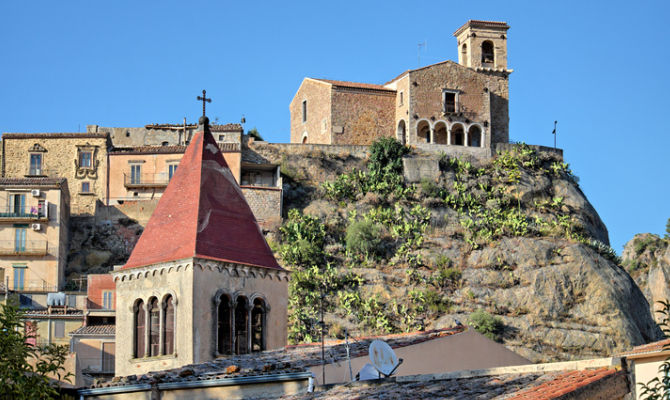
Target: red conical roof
[(202, 213)]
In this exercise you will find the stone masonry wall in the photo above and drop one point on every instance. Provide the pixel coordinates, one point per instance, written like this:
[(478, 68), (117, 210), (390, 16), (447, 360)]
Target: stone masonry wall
[(318, 124), (361, 116), (58, 161), (266, 204)]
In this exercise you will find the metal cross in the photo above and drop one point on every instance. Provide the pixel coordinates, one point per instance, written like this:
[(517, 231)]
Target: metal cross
[(204, 100)]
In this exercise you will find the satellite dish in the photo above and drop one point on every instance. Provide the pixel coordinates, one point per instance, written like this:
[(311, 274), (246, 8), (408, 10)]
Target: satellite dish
[(368, 372), (383, 358)]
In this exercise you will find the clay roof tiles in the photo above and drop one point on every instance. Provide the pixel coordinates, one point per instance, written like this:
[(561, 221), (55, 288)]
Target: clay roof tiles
[(564, 384), (32, 181), (54, 135), (356, 85), (98, 329), (648, 348), (203, 214)]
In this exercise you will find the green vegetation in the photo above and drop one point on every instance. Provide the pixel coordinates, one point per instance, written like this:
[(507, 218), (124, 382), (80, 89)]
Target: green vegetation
[(253, 132), (363, 238), (25, 369), (659, 388), (667, 229), (488, 325)]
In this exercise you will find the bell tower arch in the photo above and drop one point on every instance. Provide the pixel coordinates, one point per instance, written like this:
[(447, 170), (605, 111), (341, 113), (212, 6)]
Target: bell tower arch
[(482, 44)]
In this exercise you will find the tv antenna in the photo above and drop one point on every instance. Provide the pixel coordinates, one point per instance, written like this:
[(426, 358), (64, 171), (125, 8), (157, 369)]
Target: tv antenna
[(424, 45), (554, 133)]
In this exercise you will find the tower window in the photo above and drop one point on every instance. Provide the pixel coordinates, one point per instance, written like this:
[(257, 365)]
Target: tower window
[(154, 326), (487, 52), (258, 325), (304, 111), (139, 329), (225, 327), (241, 326), (168, 326)]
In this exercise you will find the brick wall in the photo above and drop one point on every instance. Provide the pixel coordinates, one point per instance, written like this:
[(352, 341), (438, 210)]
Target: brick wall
[(265, 203), (318, 123), (360, 116)]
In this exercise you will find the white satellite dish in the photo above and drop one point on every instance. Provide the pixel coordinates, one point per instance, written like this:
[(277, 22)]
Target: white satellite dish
[(383, 358), (368, 372)]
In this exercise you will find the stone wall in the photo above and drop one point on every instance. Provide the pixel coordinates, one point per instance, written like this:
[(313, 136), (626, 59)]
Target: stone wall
[(59, 155), (318, 124), (359, 116), (265, 203)]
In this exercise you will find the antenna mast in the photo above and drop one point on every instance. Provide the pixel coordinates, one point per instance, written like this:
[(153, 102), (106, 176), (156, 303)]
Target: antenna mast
[(554, 133)]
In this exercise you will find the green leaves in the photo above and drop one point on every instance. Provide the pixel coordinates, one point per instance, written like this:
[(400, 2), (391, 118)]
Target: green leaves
[(488, 325), (25, 369)]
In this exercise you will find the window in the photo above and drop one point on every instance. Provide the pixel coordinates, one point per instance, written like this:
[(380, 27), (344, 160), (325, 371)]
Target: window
[(17, 204), (20, 238), (449, 101), (107, 299), (402, 98), (168, 326), (487, 52), (258, 325), (224, 326), (72, 300), (172, 168), (222, 138), (135, 174), (85, 159), (140, 318), (41, 209), (241, 323), (35, 164), (86, 187), (59, 329), (464, 54), (304, 111), (19, 276), (154, 328)]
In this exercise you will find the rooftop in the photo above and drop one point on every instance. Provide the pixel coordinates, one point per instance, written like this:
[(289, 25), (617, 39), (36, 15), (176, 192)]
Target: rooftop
[(96, 329), (356, 85), (54, 135), (214, 128), (203, 213), (649, 348), (475, 23), (54, 182)]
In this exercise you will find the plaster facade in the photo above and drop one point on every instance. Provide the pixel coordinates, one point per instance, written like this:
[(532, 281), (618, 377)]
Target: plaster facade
[(195, 285), (33, 233)]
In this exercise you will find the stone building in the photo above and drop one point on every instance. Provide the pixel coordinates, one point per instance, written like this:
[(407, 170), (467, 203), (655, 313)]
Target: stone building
[(450, 104), (201, 281), (34, 215), (81, 158)]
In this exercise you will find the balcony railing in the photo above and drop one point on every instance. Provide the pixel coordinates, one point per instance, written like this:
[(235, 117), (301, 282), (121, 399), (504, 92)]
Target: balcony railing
[(31, 285), (38, 171), (146, 180), (24, 248), (25, 213)]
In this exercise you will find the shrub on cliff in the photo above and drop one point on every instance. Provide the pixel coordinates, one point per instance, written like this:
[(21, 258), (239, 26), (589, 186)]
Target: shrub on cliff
[(488, 325), (363, 238)]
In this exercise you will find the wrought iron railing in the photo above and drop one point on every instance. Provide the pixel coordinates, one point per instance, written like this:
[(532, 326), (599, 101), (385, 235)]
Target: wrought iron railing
[(146, 180), (32, 285), (25, 212), (24, 248)]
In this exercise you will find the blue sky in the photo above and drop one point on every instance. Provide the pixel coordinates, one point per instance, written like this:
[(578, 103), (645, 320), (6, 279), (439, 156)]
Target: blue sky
[(599, 68)]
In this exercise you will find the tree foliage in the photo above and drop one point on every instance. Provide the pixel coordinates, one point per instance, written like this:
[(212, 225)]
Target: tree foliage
[(25, 369)]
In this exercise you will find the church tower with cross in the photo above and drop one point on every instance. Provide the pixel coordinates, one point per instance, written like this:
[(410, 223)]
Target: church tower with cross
[(202, 281)]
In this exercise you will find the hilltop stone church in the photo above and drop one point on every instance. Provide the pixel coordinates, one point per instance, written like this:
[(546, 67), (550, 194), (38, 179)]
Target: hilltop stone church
[(202, 281), (461, 105)]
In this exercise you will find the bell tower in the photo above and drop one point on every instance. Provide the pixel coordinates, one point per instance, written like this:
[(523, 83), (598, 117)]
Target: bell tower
[(482, 44)]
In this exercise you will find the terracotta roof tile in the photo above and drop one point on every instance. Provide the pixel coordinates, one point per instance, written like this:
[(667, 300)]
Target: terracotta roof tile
[(203, 213), (564, 383), (33, 181), (101, 329), (54, 135), (148, 150), (654, 347), (356, 85), (213, 128)]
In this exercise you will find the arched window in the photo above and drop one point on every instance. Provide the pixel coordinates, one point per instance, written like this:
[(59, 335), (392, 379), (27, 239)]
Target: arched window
[(487, 52), (154, 327), (401, 132), (440, 133), (474, 136), (457, 135), (224, 329), (241, 326), (168, 326), (304, 138), (139, 322), (464, 54), (258, 325)]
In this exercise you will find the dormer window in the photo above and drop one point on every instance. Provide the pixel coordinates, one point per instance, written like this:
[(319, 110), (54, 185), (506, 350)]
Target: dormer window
[(450, 101)]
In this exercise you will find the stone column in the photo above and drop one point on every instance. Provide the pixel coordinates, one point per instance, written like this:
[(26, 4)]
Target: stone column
[(449, 135), (466, 135), (432, 135)]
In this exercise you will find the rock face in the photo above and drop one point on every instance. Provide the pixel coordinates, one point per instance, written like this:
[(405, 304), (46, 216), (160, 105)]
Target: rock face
[(647, 258)]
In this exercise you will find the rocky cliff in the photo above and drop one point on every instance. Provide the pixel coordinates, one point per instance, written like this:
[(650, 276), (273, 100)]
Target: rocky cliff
[(513, 238), (647, 258)]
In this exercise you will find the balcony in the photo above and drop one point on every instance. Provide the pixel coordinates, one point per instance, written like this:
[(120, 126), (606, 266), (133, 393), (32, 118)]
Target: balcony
[(22, 214), (38, 172), (24, 249), (159, 180)]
